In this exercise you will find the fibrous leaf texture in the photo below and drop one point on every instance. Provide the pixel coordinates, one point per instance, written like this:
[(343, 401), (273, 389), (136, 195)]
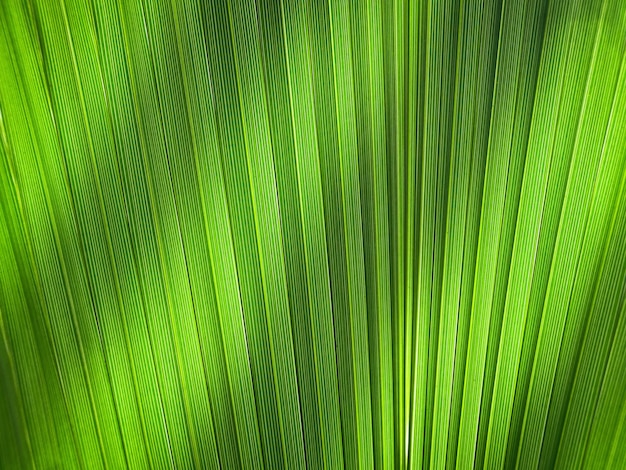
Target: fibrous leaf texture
[(312, 234)]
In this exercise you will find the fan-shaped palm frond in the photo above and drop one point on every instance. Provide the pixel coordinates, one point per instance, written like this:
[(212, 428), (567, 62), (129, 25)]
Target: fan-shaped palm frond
[(312, 234)]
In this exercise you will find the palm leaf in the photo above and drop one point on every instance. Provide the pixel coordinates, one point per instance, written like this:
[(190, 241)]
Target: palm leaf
[(323, 234)]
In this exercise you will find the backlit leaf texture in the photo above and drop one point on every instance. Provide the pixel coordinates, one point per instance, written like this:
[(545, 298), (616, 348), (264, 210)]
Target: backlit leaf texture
[(312, 234)]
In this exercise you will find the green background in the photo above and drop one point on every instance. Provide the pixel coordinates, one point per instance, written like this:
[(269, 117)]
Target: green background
[(312, 234)]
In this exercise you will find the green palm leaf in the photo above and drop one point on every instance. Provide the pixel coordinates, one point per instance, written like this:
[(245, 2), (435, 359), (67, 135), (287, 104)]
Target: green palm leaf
[(312, 234)]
